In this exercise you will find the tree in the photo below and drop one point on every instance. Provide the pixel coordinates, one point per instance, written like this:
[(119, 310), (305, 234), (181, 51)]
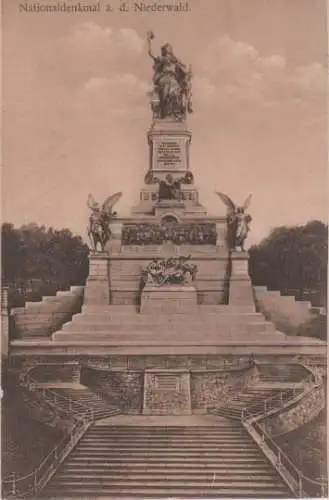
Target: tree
[(12, 255), (293, 260), (37, 260)]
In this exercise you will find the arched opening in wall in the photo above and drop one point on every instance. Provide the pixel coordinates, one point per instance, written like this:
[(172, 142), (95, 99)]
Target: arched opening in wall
[(169, 223), (169, 220)]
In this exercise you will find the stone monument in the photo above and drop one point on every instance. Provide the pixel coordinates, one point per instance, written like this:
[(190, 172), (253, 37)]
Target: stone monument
[(168, 303), (169, 221), (168, 291)]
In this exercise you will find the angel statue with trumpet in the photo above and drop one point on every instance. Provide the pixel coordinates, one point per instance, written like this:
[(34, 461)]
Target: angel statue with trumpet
[(101, 215), (238, 221)]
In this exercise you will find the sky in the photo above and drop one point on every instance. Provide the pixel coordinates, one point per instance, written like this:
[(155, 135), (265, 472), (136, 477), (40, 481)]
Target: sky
[(76, 110)]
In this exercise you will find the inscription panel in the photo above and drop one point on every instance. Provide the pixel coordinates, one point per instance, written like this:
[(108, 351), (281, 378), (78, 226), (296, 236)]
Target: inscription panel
[(167, 394), (169, 153)]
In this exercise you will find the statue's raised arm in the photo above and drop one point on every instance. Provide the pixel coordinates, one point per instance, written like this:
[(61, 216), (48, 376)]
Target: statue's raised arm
[(150, 37)]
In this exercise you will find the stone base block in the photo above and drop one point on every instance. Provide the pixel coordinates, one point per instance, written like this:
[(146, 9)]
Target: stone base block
[(166, 392), (168, 299)]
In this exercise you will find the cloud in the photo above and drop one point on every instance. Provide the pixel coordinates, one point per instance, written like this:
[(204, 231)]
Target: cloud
[(235, 73), (92, 37), (312, 78), (203, 87), (90, 49), (117, 94), (231, 53), (119, 86), (129, 40)]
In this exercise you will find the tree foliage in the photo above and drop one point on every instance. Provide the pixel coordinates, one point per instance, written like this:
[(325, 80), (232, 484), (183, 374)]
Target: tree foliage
[(39, 260), (293, 260)]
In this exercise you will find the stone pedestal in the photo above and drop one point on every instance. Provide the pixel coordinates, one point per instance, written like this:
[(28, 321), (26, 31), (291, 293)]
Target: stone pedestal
[(171, 208), (166, 392), (169, 146), (168, 299), (241, 293), (114, 244), (97, 291), (221, 229)]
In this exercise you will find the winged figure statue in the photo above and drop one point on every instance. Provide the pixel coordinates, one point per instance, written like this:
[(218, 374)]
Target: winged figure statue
[(101, 215), (238, 221)]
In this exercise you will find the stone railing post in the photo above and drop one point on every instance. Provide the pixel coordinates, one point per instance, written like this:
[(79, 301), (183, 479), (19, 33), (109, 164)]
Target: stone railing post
[(4, 322), (13, 488)]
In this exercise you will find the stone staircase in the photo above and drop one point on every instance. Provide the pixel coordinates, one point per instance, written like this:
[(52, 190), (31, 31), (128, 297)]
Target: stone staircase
[(280, 374), (41, 319), (219, 461), (54, 372), (204, 324), (84, 399), (282, 308), (252, 398)]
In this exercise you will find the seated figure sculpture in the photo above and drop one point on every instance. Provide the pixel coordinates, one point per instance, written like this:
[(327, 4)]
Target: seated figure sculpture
[(171, 95)]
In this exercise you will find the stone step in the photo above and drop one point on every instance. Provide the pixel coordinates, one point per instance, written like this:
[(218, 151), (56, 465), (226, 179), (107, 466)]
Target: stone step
[(164, 453), (143, 435), (170, 441), (131, 309), (223, 412), (199, 461), (259, 389), (187, 492), (260, 326), (219, 483), (229, 412), (77, 289), (60, 297), (238, 405), (95, 309), (245, 400), (47, 307), (179, 433), (239, 468), (210, 433), (64, 293), (252, 395), (105, 413), (229, 308), (140, 340), (34, 306), (163, 328), (164, 475), (108, 449), (186, 429), (148, 319)]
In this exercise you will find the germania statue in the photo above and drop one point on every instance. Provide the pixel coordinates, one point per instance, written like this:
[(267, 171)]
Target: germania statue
[(238, 221), (101, 215), (171, 96)]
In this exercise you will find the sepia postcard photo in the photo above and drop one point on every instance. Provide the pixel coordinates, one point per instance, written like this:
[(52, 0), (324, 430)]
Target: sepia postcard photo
[(164, 248)]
